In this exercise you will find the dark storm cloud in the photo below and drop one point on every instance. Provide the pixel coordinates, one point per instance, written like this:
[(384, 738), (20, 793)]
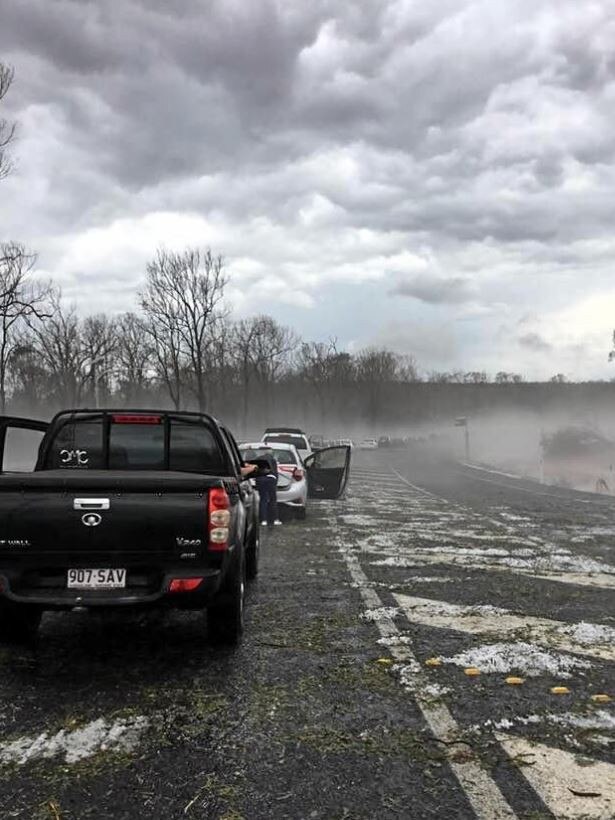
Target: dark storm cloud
[(534, 342), (434, 290), (320, 140), (232, 84), (178, 95)]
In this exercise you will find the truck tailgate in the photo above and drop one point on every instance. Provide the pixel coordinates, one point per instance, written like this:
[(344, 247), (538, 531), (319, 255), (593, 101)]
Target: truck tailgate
[(145, 523)]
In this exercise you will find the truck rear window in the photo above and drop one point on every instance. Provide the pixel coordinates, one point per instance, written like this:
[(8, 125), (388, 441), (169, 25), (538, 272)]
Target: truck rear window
[(136, 447), (79, 445)]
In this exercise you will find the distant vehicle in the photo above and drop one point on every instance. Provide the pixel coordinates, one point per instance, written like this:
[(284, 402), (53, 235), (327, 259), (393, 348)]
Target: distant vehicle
[(579, 457), (124, 508), (384, 441), (292, 490), (368, 444), (345, 442), (289, 435)]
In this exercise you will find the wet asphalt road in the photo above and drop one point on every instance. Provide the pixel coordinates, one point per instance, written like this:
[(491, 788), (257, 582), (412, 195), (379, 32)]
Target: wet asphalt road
[(328, 709)]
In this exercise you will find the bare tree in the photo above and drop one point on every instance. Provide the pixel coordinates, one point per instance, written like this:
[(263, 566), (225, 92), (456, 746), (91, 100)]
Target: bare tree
[(475, 377), (166, 344), (375, 369), (502, 377), (220, 362), (21, 299), (407, 370), (317, 362), (58, 342), (135, 357), (180, 299), (243, 336), (29, 377), (99, 340), (7, 129), (444, 377), (263, 351)]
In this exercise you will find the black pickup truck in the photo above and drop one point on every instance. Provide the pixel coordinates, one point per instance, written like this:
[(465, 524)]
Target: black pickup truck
[(129, 508)]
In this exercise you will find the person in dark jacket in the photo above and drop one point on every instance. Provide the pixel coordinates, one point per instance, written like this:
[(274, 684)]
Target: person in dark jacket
[(267, 485)]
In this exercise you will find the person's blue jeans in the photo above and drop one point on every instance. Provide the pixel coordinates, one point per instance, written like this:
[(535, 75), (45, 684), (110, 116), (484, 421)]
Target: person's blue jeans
[(267, 489)]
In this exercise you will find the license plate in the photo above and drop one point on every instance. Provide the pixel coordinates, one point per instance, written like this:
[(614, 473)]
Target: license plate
[(96, 578)]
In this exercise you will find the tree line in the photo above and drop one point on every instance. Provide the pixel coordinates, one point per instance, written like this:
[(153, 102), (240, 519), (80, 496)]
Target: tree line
[(182, 348)]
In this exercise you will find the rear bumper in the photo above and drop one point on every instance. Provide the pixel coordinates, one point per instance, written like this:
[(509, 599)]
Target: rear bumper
[(12, 588), (294, 496)]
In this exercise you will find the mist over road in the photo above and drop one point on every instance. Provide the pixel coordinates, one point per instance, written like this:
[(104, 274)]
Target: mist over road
[(329, 708)]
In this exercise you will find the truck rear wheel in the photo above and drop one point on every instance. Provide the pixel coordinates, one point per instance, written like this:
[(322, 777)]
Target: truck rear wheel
[(253, 552), (19, 623), (225, 616)]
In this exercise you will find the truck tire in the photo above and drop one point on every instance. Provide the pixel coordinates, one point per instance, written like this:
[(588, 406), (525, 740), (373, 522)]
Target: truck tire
[(253, 552), (226, 613), (19, 623)]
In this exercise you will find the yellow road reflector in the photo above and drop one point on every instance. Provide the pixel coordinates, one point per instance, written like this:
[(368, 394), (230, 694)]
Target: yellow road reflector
[(472, 671), (602, 698), (560, 690), (385, 661), (433, 662), (514, 681)]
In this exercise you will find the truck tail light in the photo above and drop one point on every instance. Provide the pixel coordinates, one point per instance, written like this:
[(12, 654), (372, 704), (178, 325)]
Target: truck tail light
[(135, 418), (297, 473), (184, 584), (219, 519)]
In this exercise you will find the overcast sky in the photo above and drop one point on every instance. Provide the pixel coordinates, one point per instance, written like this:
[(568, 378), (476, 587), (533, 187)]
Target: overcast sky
[(437, 177)]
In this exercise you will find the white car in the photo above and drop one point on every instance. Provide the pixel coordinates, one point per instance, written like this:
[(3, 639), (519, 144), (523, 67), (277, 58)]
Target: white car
[(368, 444), (292, 481), (289, 435)]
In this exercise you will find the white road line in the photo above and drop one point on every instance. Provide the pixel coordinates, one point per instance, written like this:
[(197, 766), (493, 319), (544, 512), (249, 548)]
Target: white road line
[(359, 471), (494, 472), (561, 780), (482, 792), (593, 640), (445, 557), (602, 581), (418, 489), (554, 772), (468, 512), (579, 578)]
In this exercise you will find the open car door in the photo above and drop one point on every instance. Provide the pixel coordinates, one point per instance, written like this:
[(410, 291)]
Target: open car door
[(20, 440), (327, 472)]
